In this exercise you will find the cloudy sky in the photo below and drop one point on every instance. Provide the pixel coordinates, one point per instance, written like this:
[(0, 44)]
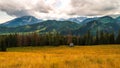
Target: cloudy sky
[(51, 9)]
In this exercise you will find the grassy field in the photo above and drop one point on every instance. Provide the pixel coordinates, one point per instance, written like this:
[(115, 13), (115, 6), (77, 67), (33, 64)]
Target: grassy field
[(102, 56)]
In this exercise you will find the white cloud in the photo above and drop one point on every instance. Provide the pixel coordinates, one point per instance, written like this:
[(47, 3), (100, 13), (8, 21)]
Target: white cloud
[(4, 17)]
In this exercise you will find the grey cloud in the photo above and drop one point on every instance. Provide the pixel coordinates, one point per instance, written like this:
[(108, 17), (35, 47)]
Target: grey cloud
[(14, 8), (53, 7), (41, 6), (14, 12), (18, 13), (94, 7)]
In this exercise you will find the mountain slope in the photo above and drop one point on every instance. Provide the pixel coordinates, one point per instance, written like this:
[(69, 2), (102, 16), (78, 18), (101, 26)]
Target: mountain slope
[(106, 24), (21, 21), (118, 20), (46, 26), (77, 19)]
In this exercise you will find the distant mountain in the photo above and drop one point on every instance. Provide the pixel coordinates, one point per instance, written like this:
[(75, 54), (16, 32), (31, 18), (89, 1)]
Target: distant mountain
[(115, 15), (106, 24), (118, 20), (77, 19), (88, 20), (21, 21), (106, 19), (46, 26), (82, 20)]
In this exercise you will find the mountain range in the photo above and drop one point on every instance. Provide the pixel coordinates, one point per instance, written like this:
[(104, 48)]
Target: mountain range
[(105, 24), (77, 26)]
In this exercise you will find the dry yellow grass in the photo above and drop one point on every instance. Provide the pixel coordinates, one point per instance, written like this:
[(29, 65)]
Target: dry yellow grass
[(102, 56)]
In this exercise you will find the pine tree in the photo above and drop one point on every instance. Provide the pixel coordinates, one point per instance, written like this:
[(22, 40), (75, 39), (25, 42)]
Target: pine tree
[(112, 38), (118, 38), (88, 38), (97, 38), (3, 45)]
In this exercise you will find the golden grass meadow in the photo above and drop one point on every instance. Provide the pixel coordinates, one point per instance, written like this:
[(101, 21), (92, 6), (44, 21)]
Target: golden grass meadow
[(99, 56)]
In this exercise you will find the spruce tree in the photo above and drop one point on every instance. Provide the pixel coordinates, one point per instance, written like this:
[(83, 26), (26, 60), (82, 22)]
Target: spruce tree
[(3, 46), (118, 38)]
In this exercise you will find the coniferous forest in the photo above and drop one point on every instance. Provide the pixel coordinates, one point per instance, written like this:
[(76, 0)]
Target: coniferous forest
[(55, 39)]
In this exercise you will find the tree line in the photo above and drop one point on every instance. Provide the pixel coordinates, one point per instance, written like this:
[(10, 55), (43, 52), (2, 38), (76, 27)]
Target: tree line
[(56, 39)]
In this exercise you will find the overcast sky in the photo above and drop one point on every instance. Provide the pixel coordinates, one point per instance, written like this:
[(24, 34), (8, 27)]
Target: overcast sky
[(51, 9)]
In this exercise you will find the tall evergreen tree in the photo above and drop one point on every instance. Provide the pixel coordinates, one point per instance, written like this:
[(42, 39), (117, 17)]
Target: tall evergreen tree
[(118, 38)]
